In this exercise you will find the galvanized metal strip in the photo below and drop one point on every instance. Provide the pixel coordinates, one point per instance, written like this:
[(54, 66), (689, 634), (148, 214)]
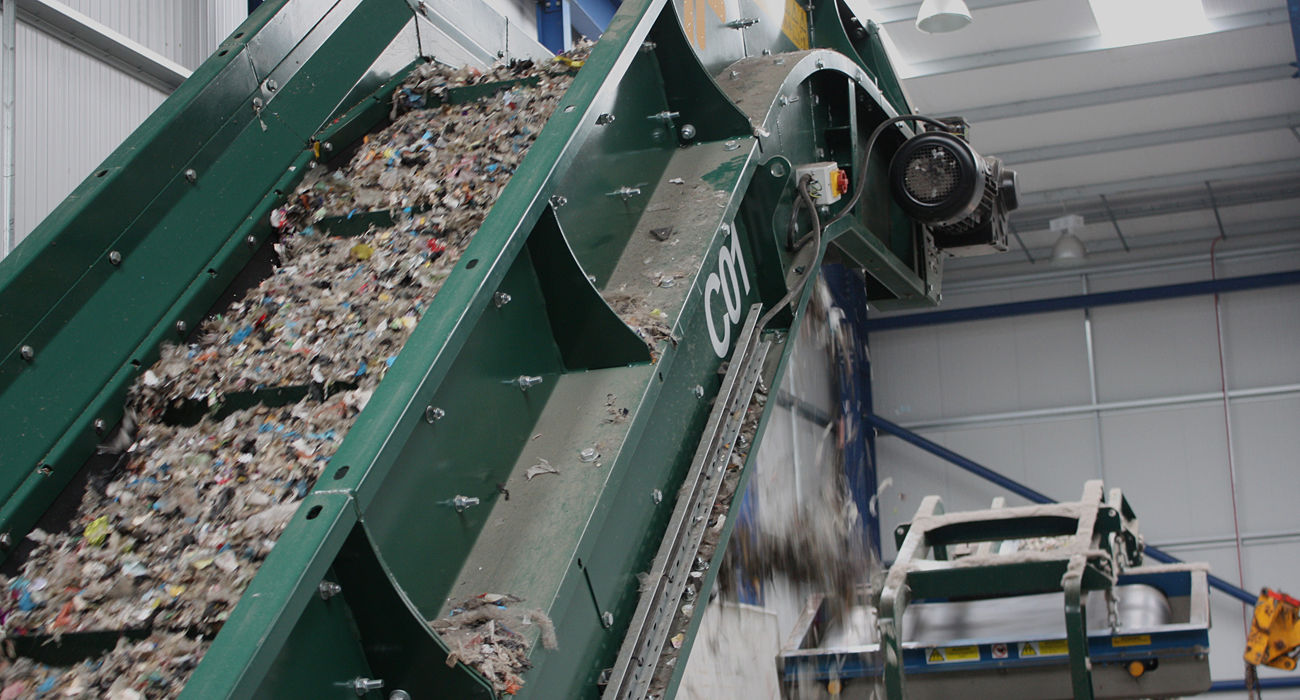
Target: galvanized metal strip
[(651, 623)]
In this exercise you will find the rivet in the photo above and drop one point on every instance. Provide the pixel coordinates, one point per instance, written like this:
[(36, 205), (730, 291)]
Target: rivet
[(27, 352), (191, 175), (328, 589), (114, 257)]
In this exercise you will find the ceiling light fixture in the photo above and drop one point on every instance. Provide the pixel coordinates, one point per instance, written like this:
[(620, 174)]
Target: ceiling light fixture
[(1069, 250), (938, 16)]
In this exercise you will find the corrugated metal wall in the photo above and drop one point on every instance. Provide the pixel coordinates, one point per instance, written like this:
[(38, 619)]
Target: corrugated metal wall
[(71, 110)]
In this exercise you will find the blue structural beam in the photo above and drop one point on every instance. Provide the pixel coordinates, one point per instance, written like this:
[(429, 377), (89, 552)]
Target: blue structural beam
[(1293, 6), (1087, 301), (1029, 494), (554, 25), (1262, 684), (591, 17)]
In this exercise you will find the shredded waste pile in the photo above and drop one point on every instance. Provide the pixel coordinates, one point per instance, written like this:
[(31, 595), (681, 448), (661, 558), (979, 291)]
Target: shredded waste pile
[(488, 633), (168, 541)]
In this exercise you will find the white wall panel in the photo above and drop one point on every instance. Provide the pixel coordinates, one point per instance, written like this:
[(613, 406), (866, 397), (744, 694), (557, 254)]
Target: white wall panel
[(186, 31), (1171, 461)]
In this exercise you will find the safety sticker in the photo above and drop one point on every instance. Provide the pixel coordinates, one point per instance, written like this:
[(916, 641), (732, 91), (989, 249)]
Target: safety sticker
[(1052, 647), (1132, 640), (795, 25), (999, 651), (947, 655)]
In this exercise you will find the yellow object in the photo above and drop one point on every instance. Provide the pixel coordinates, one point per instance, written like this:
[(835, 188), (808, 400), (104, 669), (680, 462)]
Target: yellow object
[(97, 531), (1136, 669), (833, 687), (1274, 631), (361, 251)]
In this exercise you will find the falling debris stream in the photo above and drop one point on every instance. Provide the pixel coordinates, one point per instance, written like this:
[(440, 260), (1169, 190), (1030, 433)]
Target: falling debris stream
[(226, 435)]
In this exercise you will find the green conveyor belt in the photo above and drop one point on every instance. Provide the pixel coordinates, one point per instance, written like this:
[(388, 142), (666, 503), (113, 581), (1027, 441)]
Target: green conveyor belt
[(146, 246)]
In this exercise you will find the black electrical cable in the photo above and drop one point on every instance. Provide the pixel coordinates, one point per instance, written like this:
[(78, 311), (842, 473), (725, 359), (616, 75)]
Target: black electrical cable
[(861, 174)]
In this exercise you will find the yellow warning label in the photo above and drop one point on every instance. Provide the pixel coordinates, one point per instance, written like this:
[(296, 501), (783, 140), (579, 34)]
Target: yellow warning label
[(947, 655), (1051, 647), (1132, 640), (795, 25)]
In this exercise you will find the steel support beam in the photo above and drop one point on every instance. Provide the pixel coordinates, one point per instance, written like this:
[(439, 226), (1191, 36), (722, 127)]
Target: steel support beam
[(1025, 492), (1097, 98), (1039, 218), (1086, 301), (1150, 138), (590, 17), (1195, 178), (1293, 11), (1262, 683), (555, 24), (1058, 49), (98, 40)]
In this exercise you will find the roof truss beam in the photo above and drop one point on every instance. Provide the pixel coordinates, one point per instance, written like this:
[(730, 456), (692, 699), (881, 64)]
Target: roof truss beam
[(1157, 182), (1057, 49), (1151, 138), (1096, 98)]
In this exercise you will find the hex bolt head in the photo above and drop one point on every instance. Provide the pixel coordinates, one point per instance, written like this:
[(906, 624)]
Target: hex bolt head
[(688, 132), (182, 326), (100, 426), (607, 619), (27, 352), (114, 257), (526, 382), (588, 454), (192, 175), (500, 299), (730, 145), (363, 685), (251, 240), (328, 589), (328, 147), (433, 414), (605, 119), (6, 540), (657, 496), (272, 86)]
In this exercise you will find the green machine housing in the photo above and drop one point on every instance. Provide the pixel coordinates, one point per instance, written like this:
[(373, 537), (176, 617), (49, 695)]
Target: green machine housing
[(149, 241)]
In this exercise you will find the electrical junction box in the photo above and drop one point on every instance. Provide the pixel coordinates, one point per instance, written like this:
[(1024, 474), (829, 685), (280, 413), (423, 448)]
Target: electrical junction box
[(829, 181)]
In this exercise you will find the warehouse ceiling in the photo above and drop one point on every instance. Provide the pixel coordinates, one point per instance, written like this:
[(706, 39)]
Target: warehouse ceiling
[(1145, 139)]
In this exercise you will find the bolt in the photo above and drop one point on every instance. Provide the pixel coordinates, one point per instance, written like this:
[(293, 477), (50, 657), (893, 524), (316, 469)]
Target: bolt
[(363, 685), (568, 108), (525, 382), (782, 101), (730, 145), (5, 539), (27, 353), (735, 74), (251, 240), (607, 619), (460, 503), (114, 257), (192, 175), (698, 390), (399, 695), (500, 299), (100, 426), (328, 589), (626, 192), (647, 46), (604, 119), (688, 132), (821, 63), (588, 454), (272, 86), (558, 200), (181, 326), (766, 52), (657, 496), (433, 414), (44, 469)]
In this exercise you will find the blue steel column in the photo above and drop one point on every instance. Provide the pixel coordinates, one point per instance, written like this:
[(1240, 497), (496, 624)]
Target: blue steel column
[(554, 26), (590, 17), (1024, 491), (1293, 6), (853, 374)]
